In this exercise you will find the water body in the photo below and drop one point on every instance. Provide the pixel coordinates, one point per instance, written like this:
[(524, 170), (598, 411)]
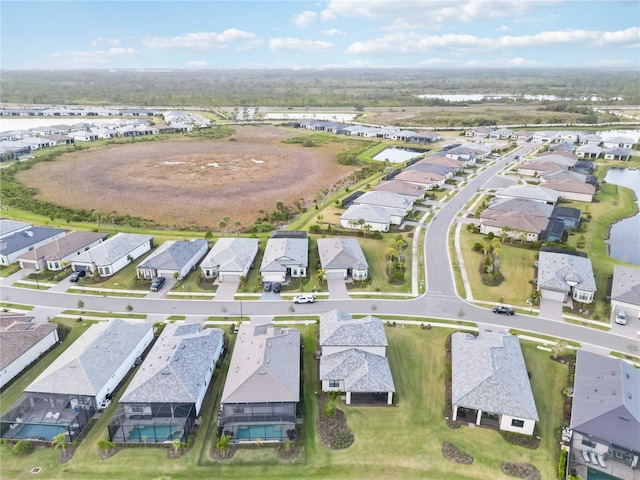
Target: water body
[(465, 97), (397, 155), (624, 237)]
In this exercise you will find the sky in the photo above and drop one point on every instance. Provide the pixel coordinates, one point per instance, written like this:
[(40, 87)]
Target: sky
[(209, 34)]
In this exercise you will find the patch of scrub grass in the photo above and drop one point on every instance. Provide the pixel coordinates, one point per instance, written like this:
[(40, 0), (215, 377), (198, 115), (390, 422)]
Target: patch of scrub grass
[(102, 293), (15, 306), (176, 317), (6, 270), (604, 328), (85, 313)]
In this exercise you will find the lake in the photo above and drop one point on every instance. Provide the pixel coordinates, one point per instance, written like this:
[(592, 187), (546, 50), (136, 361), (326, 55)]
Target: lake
[(624, 237)]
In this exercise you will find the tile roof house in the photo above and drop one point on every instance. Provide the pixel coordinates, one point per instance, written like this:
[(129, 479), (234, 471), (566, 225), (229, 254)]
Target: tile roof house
[(427, 179), (353, 358), (403, 188), (114, 254), (590, 139), (166, 394), (561, 275), (262, 389), (56, 255), (489, 382), (605, 415), (173, 257), (381, 198), (17, 243), (625, 291), (444, 161), (531, 192), (561, 157), (378, 219), (571, 189), (422, 138), (342, 258), (622, 142), (230, 258), (23, 340), (64, 397), (446, 171), (514, 224), (10, 227), (589, 151), (533, 169), (285, 257)]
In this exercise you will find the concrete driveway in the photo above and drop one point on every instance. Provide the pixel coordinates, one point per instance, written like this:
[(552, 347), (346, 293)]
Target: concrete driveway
[(551, 309), (227, 289), (337, 287)]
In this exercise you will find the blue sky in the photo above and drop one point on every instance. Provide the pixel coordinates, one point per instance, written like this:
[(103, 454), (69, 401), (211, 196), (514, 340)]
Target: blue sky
[(327, 34)]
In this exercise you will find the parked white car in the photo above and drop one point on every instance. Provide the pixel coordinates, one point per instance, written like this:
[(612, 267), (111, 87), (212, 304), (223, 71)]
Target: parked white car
[(621, 317), (304, 298)]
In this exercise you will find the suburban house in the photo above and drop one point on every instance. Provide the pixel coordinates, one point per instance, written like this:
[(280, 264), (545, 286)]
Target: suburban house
[(230, 258), (478, 150), (536, 168), (571, 175), (513, 224), (64, 397), (165, 396), (285, 258), (501, 134), (622, 142), (571, 189), (379, 198), (531, 192), (478, 132), (590, 139), (446, 172), (443, 161), (605, 417), (522, 136), (262, 390), (422, 138), (563, 146), (427, 179), (173, 258), (625, 291), (463, 154), (403, 188), (58, 254), (354, 358), (17, 243), (589, 151), (342, 258), (543, 137), (11, 227), (570, 217), (23, 341), (489, 382), (617, 153), (376, 219), (562, 276), (114, 254)]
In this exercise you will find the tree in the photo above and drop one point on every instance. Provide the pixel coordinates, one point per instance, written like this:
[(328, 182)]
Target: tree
[(208, 235), (23, 447), (106, 445), (222, 224), (60, 441), (222, 444), (80, 304), (129, 308), (559, 348), (237, 224), (176, 444), (176, 276)]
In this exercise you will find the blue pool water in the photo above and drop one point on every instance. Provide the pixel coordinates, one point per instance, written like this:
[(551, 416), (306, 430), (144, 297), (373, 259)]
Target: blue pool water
[(596, 475), (40, 432), (263, 432), (157, 433)]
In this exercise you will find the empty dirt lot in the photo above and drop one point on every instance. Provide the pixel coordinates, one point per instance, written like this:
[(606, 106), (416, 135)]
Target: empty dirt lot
[(182, 182)]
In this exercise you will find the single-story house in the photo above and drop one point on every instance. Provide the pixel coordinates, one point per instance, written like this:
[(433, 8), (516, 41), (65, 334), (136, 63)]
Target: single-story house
[(58, 254), (83, 136), (285, 257), (570, 175), (605, 416), (114, 254), (590, 139), (428, 179), (443, 161), (464, 154), (478, 132), (531, 192), (403, 188), (262, 389), (583, 166), (489, 382), (533, 169), (513, 224), (353, 358), (564, 146), (428, 167), (625, 291), (522, 205), (571, 189), (561, 275), (11, 227), (589, 151), (173, 257), (230, 258), (64, 397), (480, 150), (23, 341), (622, 142), (617, 153), (376, 219), (563, 158), (569, 216), (164, 398), (543, 137), (380, 198), (522, 136), (16, 244), (342, 258), (501, 134), (422, 138)]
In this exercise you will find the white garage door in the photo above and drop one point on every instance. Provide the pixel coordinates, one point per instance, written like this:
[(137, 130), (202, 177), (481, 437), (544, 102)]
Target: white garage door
[(553, 295), (273, 277)]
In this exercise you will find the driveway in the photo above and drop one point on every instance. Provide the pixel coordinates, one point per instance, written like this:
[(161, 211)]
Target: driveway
[(169, 283), (551, 309), (337, 287), (227, 289)]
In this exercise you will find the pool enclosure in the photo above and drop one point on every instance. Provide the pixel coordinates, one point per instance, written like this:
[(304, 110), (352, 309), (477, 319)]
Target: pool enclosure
[(152, 422)]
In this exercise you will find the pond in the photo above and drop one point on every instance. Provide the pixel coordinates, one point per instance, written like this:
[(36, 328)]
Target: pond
[(624, 236), (397, 155)]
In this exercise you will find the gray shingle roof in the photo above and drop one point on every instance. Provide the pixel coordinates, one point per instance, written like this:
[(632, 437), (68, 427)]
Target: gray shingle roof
[(92, 360), (532, 192), (265, 366), (283, 253), (489, 373), (557, 271), (231, 254), (606, 400), (359, 370), (383, 198), (341, 329), (177, 366), (626, 284), (371, 213), (173, 255), (24, 238), (8, 226), (18, 334), (341, 253), (113, 249)]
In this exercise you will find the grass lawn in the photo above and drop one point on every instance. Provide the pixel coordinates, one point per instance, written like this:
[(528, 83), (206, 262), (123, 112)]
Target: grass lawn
[(83, 313), (390, 442), (6, 270), (516, 265), (15, 306), (192, 283)]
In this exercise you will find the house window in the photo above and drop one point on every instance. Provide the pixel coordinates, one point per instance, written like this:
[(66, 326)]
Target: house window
[(517, 423), (334, 383)]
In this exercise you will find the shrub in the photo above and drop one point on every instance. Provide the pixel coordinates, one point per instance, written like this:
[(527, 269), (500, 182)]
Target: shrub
[(329, 409), (23, 448), (562, 465)]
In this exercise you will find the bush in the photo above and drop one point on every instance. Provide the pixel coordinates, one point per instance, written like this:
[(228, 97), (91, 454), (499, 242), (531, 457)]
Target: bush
[(23, 448), (562, 465), (329, 409)]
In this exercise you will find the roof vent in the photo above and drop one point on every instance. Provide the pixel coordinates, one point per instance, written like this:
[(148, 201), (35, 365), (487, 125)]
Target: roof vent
[(614, 392)]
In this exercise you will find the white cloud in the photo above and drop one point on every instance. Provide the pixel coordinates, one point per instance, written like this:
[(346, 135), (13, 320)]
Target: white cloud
[(196, 63), (522, 62), (95, 57), (333, 32), (503, 28), (327, 15), (289, 44), (500, 63), (433, 61), (105, 41), (304, 19), (199, 41), (630, 36)]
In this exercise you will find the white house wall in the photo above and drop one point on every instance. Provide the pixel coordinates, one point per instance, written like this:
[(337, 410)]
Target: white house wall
[(124, 261), (579, 197), (375, 227), (630, 309), (13, 257), (205, 385), (526, 429), (28, 357)]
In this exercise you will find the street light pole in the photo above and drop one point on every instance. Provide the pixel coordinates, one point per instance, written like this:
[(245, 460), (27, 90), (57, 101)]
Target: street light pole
[(241, 309)]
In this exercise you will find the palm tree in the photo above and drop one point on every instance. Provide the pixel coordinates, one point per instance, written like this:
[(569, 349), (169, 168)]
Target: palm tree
[(60, 441)]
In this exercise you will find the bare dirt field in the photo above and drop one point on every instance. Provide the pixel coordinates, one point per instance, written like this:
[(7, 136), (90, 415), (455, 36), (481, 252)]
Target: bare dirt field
[(191, 181)]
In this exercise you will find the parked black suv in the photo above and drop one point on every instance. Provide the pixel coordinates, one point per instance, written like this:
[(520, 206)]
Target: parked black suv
[(503, 310), (157, 284), (267, 286), (75, 276), (277, 287)]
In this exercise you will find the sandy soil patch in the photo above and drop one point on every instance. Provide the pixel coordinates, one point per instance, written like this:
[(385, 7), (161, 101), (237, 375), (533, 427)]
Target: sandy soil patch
[(183, 182)]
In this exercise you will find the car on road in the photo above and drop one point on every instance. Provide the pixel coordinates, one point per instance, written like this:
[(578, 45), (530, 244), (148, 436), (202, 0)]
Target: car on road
[(157, 283), (266, 286), (304, 298), (277, 287), (503, 310), (621, 317), (75, 276)]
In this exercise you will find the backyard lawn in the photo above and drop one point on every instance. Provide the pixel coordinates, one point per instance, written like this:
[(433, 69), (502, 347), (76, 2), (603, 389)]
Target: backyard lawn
[(390, 442)]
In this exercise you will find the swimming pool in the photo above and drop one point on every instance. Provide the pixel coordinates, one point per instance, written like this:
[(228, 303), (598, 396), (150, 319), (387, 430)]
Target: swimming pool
[(40, 432), (598, 475), (263, 432), (154, 433)]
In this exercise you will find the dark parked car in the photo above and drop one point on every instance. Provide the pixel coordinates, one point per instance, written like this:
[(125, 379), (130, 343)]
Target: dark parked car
[(267, 286), (75, 276), (157, 284), (503, 310), (277, 287)]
